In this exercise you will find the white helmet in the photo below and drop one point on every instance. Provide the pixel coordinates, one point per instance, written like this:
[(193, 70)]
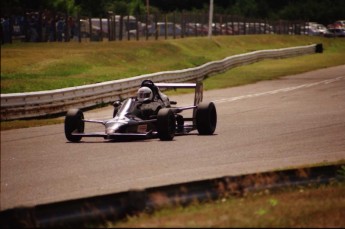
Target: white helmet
[(144, 94)]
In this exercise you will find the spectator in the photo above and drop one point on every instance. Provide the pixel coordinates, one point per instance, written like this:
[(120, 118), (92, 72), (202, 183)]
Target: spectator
[(51, 29), (60, 28), (33, 29), (71, 26)]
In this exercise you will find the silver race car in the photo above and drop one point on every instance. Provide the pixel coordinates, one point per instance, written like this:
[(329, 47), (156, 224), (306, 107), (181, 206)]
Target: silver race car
[(148, 115)]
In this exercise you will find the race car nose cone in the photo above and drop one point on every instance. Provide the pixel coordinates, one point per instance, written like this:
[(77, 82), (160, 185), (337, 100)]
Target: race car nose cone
[(113, 127)]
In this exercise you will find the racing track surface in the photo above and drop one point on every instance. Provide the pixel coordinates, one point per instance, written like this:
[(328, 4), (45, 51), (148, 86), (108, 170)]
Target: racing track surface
[(296, 120)]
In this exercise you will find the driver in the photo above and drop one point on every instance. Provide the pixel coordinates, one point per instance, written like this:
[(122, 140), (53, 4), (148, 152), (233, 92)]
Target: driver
[(148, 105), (144, 94)]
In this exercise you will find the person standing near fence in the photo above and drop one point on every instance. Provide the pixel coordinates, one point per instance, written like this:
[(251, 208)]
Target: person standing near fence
[(51, 29), (60, 27), (33, 28)]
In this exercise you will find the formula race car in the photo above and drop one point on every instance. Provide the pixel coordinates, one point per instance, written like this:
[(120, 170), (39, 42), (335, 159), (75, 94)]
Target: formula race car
[(148, 115)]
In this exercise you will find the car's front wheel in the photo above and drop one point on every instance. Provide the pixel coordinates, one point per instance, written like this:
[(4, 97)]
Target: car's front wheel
[(166, 124), (206, 118), (74, 124)]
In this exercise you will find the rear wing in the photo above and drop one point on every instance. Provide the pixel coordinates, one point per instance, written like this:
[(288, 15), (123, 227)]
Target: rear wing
[(198, 89)]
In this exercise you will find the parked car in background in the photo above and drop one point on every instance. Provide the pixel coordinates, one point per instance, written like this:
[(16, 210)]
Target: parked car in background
[(317, 30), (335, 33), (340, 24), (238, 28), (98, 25), (258, 28), (169, 28), (196, 29), (227, 29)]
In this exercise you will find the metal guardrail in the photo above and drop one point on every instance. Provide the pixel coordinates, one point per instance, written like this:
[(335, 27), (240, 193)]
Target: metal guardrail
[(98, 210), (43, 103)]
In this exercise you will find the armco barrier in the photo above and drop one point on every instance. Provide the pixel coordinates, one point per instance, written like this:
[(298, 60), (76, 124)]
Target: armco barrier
[(42, 103), (97, 210)]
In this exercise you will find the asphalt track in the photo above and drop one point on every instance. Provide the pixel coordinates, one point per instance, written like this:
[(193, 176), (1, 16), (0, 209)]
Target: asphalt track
[(296, 120)]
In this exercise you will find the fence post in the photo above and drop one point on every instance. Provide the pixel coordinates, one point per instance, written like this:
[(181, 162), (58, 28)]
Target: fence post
[(182, 25), (79, 28), (90, 29), (10, 29), (115, 26), (220, 24), (101, 29), (40, 25), (156, 27), (137, 27), (127, 29), (54, 26), (66, 30), (166, 27), (245, 26), (147, 27), (232, 24), (226, 24), (174, 23), (26, 27), (109, 29), (121, 28), (195, 27)]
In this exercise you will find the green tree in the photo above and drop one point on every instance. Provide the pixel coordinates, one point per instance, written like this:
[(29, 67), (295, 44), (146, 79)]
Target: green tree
[(118, 7), (246, 8), (68, 6), (94, 8), (136, 7)]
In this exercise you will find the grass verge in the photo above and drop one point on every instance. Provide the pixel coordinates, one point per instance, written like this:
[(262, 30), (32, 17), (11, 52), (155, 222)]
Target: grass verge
[(44, 66), (320, 206), (311, 206)]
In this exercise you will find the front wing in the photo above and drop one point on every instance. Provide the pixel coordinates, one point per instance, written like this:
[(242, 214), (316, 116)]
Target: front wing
[(119, 136)]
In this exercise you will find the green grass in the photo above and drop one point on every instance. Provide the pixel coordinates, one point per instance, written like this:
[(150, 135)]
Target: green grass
[(312, 207), (43, 66)]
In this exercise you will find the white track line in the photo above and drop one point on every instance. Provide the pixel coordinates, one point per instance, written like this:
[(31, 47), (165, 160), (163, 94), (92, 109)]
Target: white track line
[(225, 100)]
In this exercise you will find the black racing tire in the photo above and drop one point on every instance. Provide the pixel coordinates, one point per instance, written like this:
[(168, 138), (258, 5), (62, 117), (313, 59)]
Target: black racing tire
[(166, 124), (206, 118), (74, 123)]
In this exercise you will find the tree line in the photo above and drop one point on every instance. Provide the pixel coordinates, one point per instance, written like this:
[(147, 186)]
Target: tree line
[(322, 11)]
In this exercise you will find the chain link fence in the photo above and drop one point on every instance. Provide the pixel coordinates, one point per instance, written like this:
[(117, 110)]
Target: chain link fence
[(47, 26)]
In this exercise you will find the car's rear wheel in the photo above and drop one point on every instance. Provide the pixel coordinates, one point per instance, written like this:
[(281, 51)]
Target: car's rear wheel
[(166, 124), (74, 124), (206, 118)]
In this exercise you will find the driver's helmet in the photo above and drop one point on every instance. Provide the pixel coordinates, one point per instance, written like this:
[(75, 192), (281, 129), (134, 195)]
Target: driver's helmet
[(144, 94)]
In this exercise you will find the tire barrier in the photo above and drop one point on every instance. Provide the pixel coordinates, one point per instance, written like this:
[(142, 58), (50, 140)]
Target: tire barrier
[(319, 48), (45, 103), (99, 210)]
